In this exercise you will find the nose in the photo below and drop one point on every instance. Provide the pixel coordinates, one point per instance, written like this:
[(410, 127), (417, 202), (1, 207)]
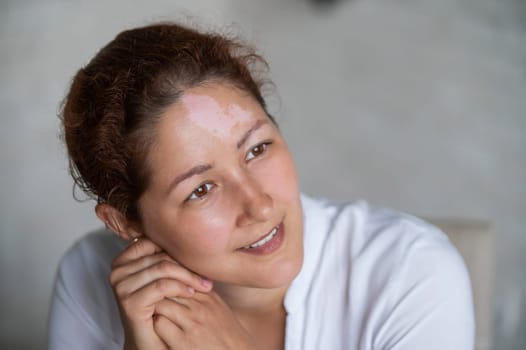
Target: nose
[(256, 204)]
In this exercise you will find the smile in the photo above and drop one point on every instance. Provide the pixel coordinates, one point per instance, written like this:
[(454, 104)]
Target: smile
[(264, 239), (268, 244)]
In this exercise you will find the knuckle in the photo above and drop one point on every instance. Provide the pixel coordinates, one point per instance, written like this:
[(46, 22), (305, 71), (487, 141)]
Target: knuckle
[(116, 262), (113, 277), (160, 285), (136, 249), (147, 261), (120, 289), (164, 266), (165, 256)]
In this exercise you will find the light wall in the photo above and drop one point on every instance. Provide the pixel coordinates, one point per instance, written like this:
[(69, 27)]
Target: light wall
[(416, 105)]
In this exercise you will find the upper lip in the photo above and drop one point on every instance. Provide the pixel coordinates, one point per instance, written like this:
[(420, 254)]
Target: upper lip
[(264, 235)]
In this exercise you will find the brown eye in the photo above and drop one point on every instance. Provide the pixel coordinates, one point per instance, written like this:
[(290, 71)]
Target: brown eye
[(257, 150), (200, 191)]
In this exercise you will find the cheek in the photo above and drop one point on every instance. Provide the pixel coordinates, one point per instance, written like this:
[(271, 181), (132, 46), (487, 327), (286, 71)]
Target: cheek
[(280, 177), (203, 233)]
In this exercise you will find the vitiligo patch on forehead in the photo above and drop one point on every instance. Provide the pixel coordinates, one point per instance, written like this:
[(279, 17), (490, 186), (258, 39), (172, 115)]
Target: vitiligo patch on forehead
[(213, 115)]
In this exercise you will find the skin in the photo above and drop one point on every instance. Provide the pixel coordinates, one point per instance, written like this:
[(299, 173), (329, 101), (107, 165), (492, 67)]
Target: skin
[(194, 230)]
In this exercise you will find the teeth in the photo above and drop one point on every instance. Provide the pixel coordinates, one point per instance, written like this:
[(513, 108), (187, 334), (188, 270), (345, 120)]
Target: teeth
[(264, 239)]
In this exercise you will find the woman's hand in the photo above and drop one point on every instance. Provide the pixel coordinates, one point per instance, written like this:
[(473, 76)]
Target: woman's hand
[(203, 321), (142, 276)]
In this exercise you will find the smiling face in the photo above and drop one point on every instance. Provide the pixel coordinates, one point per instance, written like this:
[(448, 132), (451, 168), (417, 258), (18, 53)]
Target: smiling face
[(223, 199)]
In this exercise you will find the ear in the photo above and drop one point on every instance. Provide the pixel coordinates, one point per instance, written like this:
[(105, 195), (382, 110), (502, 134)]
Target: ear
[(117, 222)]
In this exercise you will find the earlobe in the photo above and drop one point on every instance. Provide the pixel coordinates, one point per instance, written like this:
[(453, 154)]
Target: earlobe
[(116, 222)]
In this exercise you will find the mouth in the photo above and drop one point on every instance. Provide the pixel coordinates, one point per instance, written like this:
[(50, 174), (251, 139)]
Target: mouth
[(263, 240), (268, 243)]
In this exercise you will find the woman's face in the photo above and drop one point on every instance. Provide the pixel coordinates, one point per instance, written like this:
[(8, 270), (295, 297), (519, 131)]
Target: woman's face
[(223, 198)]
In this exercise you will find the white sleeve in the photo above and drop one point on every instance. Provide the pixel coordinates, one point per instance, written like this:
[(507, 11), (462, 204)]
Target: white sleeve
[(83, 313), (432, 306)]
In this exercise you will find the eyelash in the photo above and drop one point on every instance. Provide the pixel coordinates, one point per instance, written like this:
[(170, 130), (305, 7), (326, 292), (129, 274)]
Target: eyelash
[(263, 145), (194, 196), (209, 186)]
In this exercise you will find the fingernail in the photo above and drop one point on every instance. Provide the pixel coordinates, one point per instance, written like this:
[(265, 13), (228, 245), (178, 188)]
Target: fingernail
[(206, 282), (191, 290)]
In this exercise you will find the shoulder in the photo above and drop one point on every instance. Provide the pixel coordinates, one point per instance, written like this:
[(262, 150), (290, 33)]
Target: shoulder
[(84, 271), (401, 276), (379, 239), (88, 261), (95, 250), (367, 230), (83, 305)]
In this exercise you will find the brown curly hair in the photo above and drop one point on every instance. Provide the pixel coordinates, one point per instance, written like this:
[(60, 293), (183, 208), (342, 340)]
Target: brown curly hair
[(114, 102)]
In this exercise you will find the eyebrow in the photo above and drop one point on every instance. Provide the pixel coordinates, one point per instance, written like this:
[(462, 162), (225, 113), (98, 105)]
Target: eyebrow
[(199, 169), (249, 132), (196, 170)]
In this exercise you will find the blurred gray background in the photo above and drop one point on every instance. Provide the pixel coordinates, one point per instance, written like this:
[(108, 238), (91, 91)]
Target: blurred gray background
[(418, 105)]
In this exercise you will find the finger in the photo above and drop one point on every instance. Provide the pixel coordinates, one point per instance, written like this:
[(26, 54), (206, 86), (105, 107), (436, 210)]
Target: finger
[(186, 302), (136, 250), (172, 335), (121, 272), (146, 297), (175, 311), (204, 298), (163, 269)]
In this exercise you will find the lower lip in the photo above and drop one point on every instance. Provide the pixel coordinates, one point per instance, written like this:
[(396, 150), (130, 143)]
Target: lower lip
[(269, 247)]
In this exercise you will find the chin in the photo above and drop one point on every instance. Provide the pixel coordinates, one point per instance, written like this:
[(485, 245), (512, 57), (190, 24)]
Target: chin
[(282, 277)]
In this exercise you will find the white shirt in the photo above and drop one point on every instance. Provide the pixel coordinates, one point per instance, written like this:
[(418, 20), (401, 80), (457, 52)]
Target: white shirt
[(371, 279)]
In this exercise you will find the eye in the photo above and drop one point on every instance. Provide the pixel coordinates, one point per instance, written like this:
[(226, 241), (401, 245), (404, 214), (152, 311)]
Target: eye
[(257, 150), (200, 192)]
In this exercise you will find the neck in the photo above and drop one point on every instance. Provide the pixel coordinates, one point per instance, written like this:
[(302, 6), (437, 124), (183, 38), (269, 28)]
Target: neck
[(248, 301), (261, 312)]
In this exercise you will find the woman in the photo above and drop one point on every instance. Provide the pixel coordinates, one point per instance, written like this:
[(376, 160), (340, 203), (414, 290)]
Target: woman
[(214, 246)]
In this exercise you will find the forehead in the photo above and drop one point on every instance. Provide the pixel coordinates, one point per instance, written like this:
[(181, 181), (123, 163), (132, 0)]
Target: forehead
[(204, 119), (217, 109)]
